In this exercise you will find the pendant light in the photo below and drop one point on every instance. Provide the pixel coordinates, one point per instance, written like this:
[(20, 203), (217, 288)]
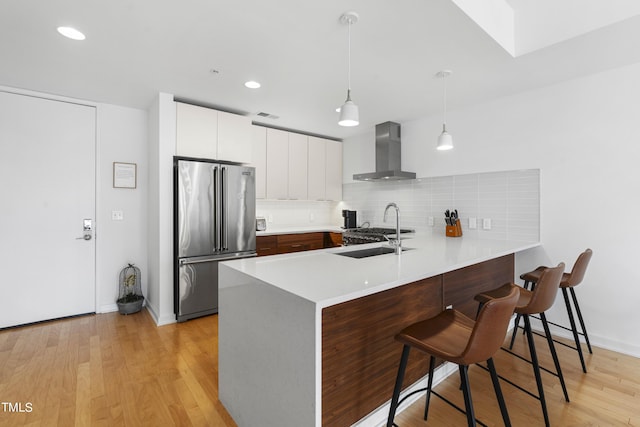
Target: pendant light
[(349, 111), (445, 140)]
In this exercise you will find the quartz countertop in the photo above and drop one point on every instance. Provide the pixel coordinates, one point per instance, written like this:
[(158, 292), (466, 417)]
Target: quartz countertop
[(273, 230), (326, 278)]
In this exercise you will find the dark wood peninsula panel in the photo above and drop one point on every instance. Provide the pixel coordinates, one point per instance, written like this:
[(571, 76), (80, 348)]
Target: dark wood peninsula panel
[(360, 356)]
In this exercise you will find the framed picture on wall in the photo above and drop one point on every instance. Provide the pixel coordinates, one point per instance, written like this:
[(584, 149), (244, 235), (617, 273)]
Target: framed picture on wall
[(125, 175)]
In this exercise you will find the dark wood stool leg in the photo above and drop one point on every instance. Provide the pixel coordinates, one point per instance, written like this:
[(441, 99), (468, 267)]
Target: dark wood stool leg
[(466, 392), (574, 329), (536, 368), (398, 387), (552, 349), (432, 365), (584, 329), (498, 390)]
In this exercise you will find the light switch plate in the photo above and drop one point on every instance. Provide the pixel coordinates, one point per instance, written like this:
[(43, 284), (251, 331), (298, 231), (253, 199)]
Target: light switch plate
[(117, 215), (473, 223), (486, 223)]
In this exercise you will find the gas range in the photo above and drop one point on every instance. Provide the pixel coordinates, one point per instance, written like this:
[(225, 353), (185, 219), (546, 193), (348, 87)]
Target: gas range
[(359, 236)]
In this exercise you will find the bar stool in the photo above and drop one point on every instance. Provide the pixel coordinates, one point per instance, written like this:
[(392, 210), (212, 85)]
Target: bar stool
[(537, 301), (456, 338), (569, 281)]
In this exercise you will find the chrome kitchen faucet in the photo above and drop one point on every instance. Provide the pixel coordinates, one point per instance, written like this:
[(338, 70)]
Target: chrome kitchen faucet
[(397, 243)]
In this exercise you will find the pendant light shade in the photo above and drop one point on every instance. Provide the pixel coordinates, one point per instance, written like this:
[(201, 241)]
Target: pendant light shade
[(349, 112), (445, 140), (349, 115)]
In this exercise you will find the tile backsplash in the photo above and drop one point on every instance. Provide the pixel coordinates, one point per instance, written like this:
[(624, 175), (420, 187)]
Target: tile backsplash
[(292, 213), (510, 200)]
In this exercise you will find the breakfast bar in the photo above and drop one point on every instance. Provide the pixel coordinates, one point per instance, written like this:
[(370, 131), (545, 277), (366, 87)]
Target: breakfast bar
[(306, 339)]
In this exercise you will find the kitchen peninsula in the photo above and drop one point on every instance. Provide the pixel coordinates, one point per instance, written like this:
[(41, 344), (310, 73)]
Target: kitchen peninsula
[(306, 339)]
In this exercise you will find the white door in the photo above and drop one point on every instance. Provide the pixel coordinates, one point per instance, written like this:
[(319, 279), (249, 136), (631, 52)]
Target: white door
[(47, 188)]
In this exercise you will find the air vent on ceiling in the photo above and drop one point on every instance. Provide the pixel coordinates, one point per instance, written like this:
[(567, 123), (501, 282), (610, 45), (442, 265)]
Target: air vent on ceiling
[(267, 115)]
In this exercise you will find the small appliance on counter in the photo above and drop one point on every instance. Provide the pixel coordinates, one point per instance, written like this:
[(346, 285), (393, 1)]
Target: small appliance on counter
[(261, 224), (350, 220)]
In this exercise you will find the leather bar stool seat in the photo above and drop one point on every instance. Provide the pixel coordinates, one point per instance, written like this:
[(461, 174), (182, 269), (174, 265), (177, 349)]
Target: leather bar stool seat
[(537, 301), (567, 284), (455, 338)]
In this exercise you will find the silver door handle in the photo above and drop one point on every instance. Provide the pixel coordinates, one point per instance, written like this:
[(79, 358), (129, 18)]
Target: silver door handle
[(87, 226)]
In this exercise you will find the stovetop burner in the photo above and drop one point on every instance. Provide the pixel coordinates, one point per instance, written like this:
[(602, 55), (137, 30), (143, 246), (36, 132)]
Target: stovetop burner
[(377, 230), (362, 235)]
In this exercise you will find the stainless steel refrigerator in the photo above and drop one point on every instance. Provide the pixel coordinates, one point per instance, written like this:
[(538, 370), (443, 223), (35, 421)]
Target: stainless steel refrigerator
[(214, 214)]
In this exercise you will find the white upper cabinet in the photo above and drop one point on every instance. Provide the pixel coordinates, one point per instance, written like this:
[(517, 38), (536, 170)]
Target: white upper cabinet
[(205, 133), (298, 152), (325, 169), (317, 170), (333, 182), (234, 138), (259, 142), (196, 131), (277, 164)]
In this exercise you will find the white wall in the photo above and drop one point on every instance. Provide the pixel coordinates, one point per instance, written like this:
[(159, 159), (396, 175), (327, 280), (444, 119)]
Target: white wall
[(122, 137), (584, 136), (162, 148)]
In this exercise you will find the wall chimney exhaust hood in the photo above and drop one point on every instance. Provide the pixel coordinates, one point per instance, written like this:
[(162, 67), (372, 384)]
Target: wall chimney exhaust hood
[(388, 155)]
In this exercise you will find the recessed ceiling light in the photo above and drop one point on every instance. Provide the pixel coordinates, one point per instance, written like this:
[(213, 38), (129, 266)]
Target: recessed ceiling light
[(71, 33), (252, 84)]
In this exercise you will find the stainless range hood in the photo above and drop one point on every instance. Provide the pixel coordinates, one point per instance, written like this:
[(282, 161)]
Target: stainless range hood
[(388, 155)]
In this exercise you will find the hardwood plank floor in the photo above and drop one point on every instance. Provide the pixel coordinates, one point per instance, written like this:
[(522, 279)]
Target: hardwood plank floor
[(111, 370), (114, 370), (608, 395)]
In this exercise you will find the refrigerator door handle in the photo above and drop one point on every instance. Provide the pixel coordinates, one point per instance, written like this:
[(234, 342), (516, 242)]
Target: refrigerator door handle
[(223, 213), (216, 211), (189, 261)]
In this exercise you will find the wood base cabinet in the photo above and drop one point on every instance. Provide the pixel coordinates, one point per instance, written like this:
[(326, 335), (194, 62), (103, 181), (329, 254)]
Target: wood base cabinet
[(296, 242)]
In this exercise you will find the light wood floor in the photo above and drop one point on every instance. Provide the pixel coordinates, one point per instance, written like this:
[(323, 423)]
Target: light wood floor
[(114, 370)]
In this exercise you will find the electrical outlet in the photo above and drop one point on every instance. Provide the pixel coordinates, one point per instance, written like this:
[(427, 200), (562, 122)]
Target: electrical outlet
[(311, 217), (117, 215), (431, 221), (473, 223), (486, 223)]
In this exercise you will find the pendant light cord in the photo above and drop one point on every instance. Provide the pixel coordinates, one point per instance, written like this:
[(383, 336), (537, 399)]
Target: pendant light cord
[(444, 100), (349, 63)]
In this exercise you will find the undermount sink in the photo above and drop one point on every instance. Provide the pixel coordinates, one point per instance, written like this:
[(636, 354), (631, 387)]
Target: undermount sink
[(364, 253)]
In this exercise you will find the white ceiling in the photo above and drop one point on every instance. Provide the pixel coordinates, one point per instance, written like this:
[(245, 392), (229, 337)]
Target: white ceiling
[(298, 51)]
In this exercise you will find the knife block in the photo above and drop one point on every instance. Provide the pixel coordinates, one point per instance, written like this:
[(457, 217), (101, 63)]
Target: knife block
[(454, 230)]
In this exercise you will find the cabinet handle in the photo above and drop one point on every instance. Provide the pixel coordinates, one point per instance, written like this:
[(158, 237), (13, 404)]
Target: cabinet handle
[(296, 246)]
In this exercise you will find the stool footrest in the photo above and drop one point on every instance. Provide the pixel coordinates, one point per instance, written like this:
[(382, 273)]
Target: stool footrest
[(555, 374), (456, 406), (535, 396)]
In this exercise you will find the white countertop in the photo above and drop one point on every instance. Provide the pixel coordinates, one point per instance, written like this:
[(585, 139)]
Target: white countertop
[(325, 278), (273, 230)]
